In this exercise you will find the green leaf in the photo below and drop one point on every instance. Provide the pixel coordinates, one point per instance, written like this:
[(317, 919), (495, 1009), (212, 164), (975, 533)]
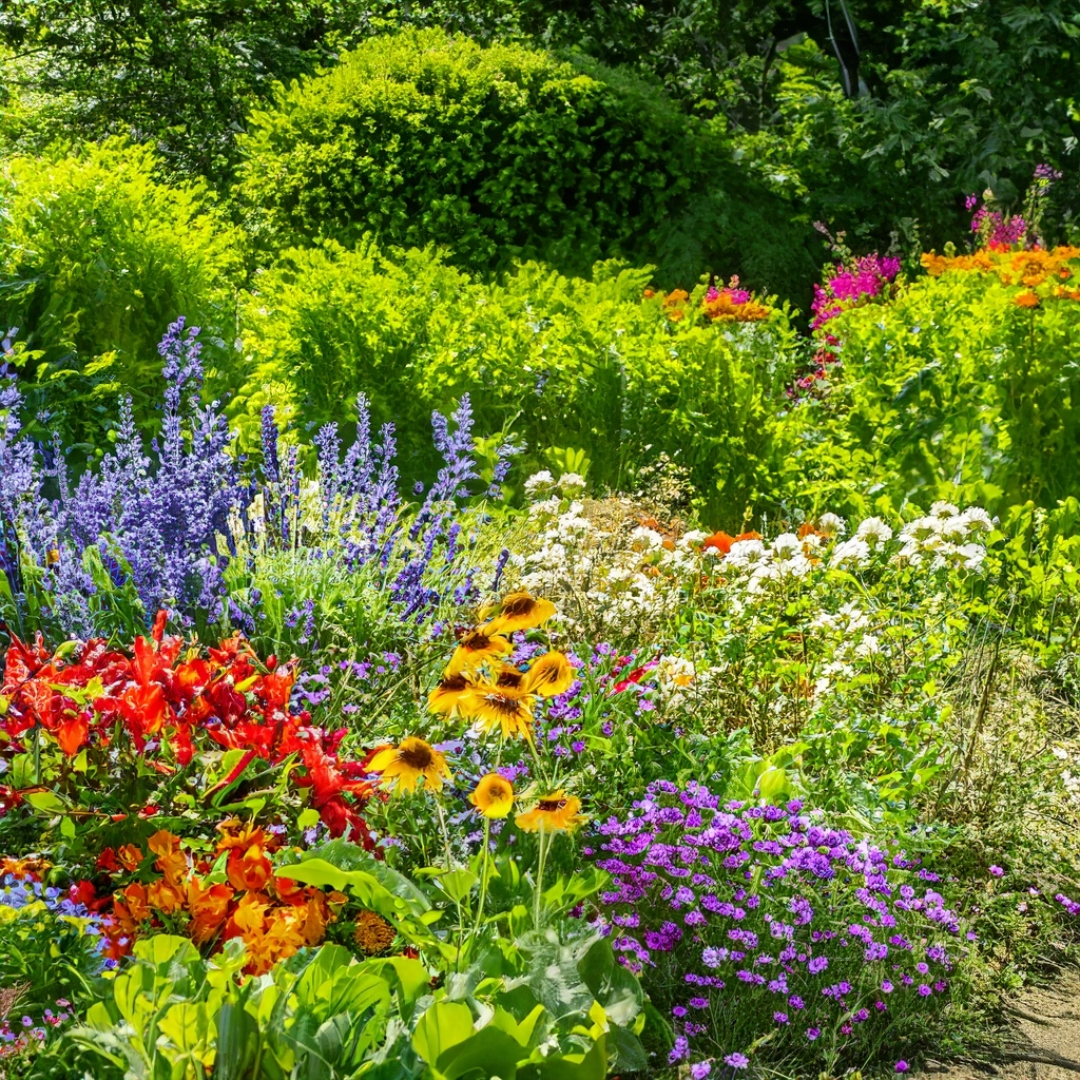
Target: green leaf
[(444, 1025)]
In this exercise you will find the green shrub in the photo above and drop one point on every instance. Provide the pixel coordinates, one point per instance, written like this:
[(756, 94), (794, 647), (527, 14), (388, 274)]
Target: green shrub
[(98, 257), (955, 389), (582, 363), (503, 154)]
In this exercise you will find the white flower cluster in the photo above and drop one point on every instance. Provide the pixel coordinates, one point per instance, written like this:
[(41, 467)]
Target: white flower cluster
[(600, 574), (945, 538)]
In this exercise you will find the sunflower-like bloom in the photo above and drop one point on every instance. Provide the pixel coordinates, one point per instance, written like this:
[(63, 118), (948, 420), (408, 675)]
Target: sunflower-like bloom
[(550, 675), (494, 796), (519, 611), (414, 760), (446, 696), (499, 707), (557, 812), (476, 649)]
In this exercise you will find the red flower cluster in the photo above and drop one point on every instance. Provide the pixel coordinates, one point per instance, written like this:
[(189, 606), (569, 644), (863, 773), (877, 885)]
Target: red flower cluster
[(168, 702)]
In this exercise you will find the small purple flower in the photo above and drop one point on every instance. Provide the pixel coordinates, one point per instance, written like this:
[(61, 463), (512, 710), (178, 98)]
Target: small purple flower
[(737, 1061), (902, 1066), (996, 871)]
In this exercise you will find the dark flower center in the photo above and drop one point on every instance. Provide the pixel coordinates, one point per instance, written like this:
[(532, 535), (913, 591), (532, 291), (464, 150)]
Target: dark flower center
[(506, 704), (417, 757), (549, 806), (510, 678), (519, 605)]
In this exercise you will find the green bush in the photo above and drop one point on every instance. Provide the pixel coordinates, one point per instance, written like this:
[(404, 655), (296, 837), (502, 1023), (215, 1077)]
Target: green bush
[(97, 259), (582, 363), (955, 390), (504, 153)]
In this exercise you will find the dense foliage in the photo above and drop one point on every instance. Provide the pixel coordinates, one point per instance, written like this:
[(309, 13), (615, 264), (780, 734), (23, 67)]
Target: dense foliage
[(491, 633), (504, 153), (97, 256)]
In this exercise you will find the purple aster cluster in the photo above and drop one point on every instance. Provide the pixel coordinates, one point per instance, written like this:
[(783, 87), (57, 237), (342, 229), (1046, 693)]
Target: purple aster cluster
[(745, 920)]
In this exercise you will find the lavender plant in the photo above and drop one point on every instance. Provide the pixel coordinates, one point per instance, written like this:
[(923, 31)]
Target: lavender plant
[(176, 525), (141, 528), (763, 926)]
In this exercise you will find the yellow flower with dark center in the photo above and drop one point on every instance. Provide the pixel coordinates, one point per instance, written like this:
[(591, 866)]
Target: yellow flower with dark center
[(510, 677), (446, 696), (519, 611), (557, 812), (494, 796), (373, 933), (476, 649), (499, 707), (550, 675), (414, 760)]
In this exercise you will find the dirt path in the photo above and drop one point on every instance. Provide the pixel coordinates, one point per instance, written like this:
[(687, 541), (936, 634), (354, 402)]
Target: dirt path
[(1044, 1043)]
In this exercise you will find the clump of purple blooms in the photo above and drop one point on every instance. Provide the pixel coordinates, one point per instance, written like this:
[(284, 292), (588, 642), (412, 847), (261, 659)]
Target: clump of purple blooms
[(747, 920), (158, 522)]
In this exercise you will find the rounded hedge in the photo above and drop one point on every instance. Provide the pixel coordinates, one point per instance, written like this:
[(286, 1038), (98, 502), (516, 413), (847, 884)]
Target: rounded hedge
[(502, 154)]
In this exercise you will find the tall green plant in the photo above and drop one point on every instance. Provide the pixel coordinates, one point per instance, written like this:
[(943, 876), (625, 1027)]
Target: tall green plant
[(98, 256)]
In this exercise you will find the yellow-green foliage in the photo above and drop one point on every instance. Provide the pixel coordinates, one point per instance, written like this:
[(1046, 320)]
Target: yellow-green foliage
[(505, 153), (552, 360), (97, 259), (955, 390)]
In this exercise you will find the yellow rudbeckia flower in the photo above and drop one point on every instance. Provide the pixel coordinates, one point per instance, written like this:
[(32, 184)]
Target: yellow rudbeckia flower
[(476, 649), (447, 695), (494, 796), (414, 760), (557, 812), (550, 675), (519, 611), (499, 707)]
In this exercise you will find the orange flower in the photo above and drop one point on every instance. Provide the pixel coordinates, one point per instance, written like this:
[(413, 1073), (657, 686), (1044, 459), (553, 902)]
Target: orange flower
[(209, 907), (373, 933), (172, 862), (248, 868), (135, 903), (1027, 300), (72, 733), (165, 897), (130, 857)]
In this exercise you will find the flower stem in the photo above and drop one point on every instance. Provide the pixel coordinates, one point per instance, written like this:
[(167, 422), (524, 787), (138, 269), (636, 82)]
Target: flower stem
[(540, 877)]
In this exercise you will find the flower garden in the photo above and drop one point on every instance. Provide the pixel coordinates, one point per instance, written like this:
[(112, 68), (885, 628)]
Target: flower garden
[(425, 658)]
